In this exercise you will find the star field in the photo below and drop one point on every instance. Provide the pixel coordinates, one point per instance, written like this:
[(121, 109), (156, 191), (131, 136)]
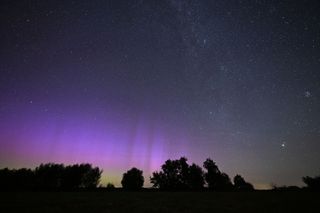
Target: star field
[(133, 83)]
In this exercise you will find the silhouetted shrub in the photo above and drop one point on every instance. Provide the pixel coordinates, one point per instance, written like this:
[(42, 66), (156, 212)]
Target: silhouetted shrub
[(110, 186), (313, 183), (285, 188), (241, 185), (132, 179)]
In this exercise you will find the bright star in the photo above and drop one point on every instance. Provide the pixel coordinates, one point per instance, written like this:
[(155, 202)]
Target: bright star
[(307, 94)]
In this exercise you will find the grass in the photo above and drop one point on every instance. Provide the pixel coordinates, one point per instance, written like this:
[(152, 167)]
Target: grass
[(260, 201)]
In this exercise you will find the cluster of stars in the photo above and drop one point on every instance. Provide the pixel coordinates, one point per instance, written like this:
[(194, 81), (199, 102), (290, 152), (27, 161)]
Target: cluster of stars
[(235, 81)]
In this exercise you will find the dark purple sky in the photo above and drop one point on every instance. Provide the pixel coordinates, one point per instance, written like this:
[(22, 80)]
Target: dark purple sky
[(133, 83)]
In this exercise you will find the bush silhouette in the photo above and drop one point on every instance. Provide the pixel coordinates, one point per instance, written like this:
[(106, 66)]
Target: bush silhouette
[(313, 183), (132, 179), (241, 185), (110, 186), (285, 188)]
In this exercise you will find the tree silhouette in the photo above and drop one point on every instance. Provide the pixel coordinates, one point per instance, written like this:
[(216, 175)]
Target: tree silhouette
[(174, 175), (313, 183), (212, 174), (195, 177), (178, 175), (90, 177), (5, 179), (241, 185), (23, 179), (132, 179), (20, 179), (215, 179), (224, 182), (49, 176)]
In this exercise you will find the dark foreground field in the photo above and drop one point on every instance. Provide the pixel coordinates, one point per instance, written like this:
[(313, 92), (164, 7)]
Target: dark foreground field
[(159, 202)]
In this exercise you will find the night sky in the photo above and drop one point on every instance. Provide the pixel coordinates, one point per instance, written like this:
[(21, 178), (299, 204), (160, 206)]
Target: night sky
[(132, 83)]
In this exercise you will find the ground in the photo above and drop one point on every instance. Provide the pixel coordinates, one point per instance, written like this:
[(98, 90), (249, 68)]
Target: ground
[(266, 201)]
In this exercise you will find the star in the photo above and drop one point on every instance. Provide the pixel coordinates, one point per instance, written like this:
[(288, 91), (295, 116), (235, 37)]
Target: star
[(133, 77), (307, 94), (204, 41)]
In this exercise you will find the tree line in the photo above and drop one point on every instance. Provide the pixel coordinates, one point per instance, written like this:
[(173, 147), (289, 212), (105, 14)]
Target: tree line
[(175, 175), (51, 177), (179, 175)]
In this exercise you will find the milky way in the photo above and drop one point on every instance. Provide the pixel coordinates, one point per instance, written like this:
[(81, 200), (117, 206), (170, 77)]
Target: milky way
[(133, 83)]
